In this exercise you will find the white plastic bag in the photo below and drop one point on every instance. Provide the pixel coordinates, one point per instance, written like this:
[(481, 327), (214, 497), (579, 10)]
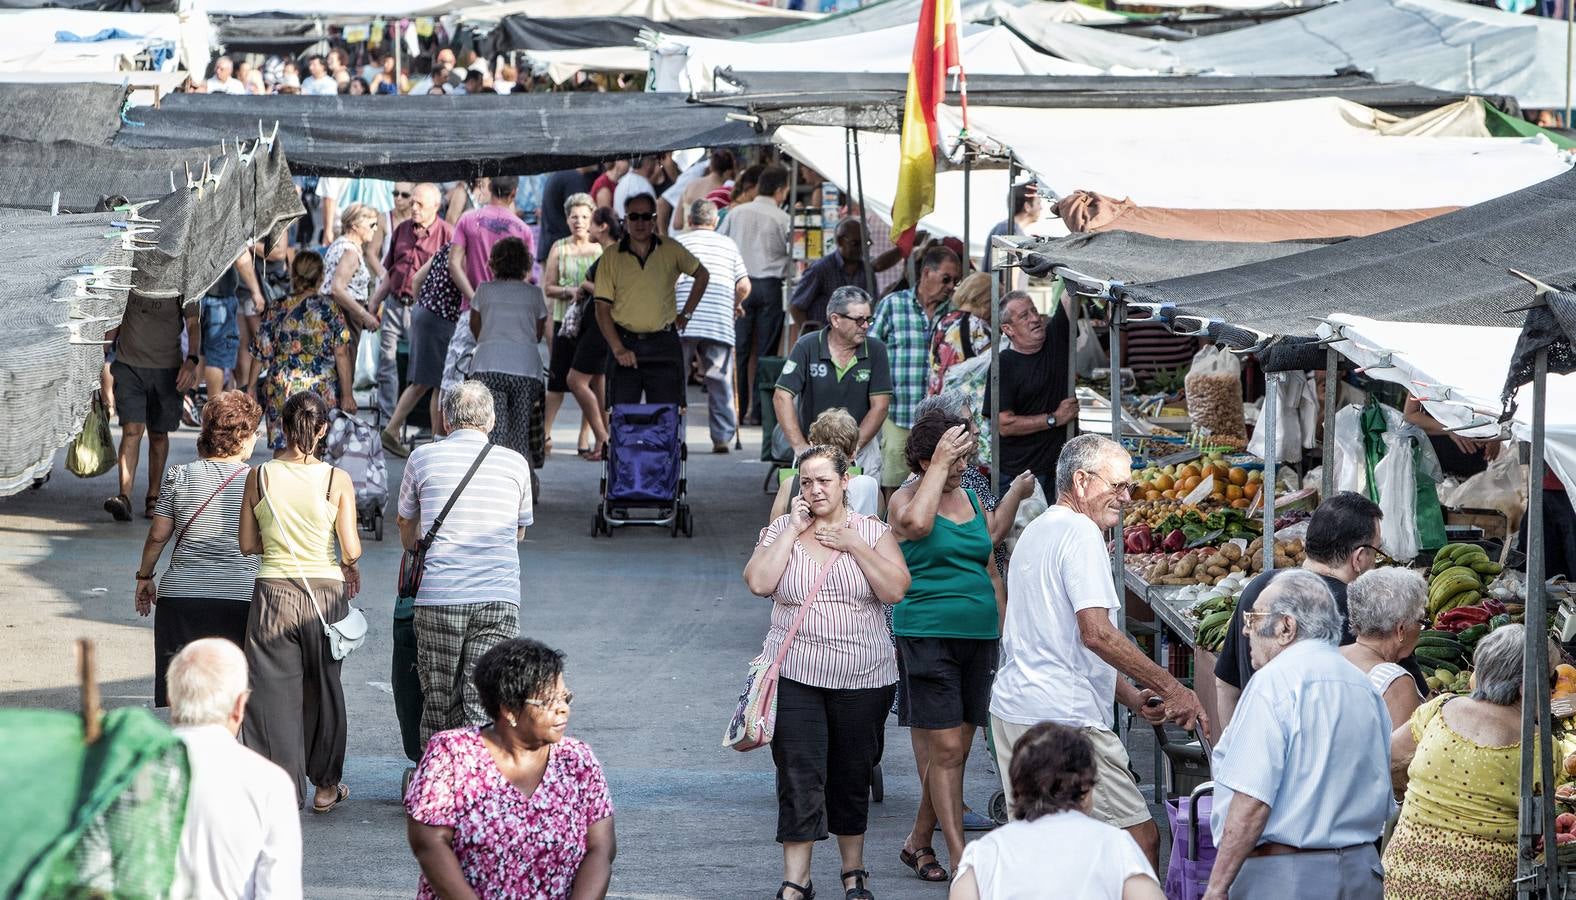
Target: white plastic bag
[(1288, 420), (1087, 352), (366, 374), (1501, 486), (1397, 483), (1350, 460), (1214, 393)]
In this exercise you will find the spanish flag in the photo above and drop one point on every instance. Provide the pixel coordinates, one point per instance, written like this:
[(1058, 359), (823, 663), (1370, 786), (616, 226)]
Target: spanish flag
[(936, 52)]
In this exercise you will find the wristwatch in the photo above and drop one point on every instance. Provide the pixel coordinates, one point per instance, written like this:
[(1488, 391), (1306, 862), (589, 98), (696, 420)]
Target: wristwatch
[(142, 577), (1050, 421), (193, 359)]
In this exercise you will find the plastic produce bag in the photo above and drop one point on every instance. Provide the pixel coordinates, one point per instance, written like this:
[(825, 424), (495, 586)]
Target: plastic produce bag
[(1087, 352), (1396, 478), (1289, 419), (366, 374), (1501, 486), (92, 451), (1350, 459), (1214, 393)]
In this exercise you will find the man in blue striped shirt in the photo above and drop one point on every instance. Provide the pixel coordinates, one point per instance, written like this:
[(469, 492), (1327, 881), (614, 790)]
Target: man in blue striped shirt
[(469, 600), (708, 334)]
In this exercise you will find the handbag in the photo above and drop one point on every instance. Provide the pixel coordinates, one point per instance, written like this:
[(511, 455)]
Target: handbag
[(414, 562), (755, 718)]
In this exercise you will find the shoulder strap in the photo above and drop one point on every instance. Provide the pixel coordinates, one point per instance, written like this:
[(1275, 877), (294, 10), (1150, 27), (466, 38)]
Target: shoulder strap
[(437, 523), (189, 522), (804, 610)]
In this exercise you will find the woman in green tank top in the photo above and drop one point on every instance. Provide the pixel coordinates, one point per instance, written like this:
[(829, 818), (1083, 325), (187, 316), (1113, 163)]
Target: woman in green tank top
[(946, 627), (566, 268)]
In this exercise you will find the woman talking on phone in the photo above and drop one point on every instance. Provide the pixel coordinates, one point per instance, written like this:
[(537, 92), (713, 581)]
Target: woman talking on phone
[(836, 681)]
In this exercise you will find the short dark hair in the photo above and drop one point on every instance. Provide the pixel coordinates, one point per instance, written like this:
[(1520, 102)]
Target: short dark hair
[(925, 435), (227, 421), (936, 257), (1052, 770), (304, 416), (503, 185), (1339, 526), (509, 260), (604, 216), (1022, 194), (643, 197), (749, 178), (515, 671), (721, 161), (773, 179), (472, 73)]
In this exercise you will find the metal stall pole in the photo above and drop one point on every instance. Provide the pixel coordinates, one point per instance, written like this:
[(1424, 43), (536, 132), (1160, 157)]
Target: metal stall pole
[(396, 56), (793, 198), (995, 384), (1118, 312), (968, 184), (1537, 814), (1331, 386), (859, 177), (1268, 422)]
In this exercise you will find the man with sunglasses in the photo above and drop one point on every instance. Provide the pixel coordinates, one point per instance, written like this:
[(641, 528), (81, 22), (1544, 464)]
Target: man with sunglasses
[(903, 322), (838, 366), (635, 308), (1342, 543)]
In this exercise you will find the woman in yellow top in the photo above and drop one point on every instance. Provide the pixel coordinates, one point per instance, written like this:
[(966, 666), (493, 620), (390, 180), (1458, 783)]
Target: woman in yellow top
[(1459, 760), (295, 507)]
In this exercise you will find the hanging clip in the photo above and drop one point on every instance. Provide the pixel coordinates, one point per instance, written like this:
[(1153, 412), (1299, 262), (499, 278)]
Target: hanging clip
[(1540, 289), (1386, 361), (214, 176), (133, 211), (1201, 331)]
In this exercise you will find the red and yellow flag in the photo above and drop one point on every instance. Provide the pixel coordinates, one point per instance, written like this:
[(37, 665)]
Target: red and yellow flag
[(936, 52)]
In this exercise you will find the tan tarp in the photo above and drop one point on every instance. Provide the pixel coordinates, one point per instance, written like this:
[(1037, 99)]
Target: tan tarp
[(1084, 211)]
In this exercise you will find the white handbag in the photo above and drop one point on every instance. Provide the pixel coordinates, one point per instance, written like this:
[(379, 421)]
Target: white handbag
[(345, 635)]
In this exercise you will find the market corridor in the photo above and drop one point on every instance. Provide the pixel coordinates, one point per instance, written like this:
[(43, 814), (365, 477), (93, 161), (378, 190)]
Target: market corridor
[(657, 631)]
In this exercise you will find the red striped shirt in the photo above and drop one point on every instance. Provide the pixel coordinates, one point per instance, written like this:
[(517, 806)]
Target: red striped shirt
[(844, 643)]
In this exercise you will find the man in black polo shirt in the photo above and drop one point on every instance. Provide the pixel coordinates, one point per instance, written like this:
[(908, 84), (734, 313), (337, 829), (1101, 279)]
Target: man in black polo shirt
[(1036, 400), (838, 366)]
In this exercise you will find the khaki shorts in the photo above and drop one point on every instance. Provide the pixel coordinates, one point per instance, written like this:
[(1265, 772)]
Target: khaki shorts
[(1117, 801), (894, 465)]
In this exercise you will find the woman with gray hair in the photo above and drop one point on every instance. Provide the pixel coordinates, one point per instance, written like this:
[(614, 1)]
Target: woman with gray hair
[(1385, 607), (1459, 762), (346, 278)]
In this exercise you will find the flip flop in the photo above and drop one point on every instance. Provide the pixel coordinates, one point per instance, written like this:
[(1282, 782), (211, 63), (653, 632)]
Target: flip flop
[(931, 871), (340, 793)]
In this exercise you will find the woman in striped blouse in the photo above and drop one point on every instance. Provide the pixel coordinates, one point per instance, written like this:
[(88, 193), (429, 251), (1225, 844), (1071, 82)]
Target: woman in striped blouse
[(837, 679)]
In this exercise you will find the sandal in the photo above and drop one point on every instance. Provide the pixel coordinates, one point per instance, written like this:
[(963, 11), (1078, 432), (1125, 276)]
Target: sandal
[(931, 871), (340, 793), (806, 890), (119, 506), (858, 891)]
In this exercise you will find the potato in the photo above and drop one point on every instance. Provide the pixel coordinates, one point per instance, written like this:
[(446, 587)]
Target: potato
[(1157, 571), (1231, 552), (1185, 566), (1284, 562), (1216, 571), (1217, 560)]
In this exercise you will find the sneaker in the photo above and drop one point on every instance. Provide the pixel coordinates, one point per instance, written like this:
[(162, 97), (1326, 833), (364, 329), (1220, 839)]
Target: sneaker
[(719, 447), (392, 444), (973, 821), (119, 506)]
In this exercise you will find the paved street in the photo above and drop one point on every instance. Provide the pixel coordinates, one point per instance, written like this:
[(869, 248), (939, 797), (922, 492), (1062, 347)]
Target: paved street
[(657, 631)]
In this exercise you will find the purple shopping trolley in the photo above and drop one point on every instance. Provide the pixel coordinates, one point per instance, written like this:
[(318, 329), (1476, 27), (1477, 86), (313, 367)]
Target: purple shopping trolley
[(1189, 800), (643, 480)]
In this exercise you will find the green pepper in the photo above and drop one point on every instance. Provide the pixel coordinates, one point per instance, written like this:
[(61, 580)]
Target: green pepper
[(1474, 634)]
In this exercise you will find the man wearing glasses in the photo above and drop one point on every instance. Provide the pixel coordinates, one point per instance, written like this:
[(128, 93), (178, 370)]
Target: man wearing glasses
[(1036, 400), (903, 322), (1341, 544), (416, 239), (635, 308), (838, 366)]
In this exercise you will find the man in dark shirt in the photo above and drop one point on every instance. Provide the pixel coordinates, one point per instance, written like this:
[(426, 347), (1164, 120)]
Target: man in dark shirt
[(1342, 543), (559, 187), (1036, 400), (844, 267), (838, 366), (414, 241)]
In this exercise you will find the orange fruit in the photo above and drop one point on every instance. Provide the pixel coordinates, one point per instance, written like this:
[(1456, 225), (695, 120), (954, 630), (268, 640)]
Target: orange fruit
[(1251, 489), (1238, 476), (1233, 492), (1222, 473), (1189, 471), (1169, 495), (1164, 482), (1190, 482), (1240, 503), (1151, 495)]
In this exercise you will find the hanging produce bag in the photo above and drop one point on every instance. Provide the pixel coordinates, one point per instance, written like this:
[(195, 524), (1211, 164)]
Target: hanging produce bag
[(1214, 393), (92, 451)]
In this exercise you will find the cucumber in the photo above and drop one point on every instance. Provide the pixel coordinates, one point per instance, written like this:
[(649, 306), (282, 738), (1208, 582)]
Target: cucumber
[(1452, 668), (1436, 655), (1442, 643), (1436, 633)]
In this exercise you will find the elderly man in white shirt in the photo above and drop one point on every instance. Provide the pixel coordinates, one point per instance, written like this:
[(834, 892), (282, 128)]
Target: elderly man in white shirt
[(1062, 657), (708, 335), (761, 229), (1302, 774), (242, 836)]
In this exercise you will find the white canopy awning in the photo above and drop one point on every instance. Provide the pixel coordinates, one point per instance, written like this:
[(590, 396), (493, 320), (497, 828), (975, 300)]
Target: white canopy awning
[(1313, 154), (30, 45), (655, 10)]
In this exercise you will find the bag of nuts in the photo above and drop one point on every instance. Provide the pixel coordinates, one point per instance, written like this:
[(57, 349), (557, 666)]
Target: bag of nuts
[(1214, 393)]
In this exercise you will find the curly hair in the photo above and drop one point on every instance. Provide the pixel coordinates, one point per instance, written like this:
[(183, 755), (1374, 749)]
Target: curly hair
[(1052, 770), (925, 435), (836, 428), (227, 421), (509, 260), (515, 671)]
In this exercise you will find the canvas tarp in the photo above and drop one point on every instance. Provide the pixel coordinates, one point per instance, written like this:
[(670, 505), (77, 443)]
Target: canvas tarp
[(892, 13), (528, 33), (1443, 44), (1130, 258), (822, 148), (690, 62), (443, 138), (1083, 211), (657, 10), (1304, 154), (1450, 269), (29, 40)]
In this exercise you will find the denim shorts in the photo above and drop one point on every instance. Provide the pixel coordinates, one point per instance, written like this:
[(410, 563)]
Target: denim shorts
[(221, 333)]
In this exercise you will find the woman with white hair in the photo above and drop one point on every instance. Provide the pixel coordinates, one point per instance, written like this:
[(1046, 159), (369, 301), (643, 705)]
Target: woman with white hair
[(1385, 607), (1459, 760)]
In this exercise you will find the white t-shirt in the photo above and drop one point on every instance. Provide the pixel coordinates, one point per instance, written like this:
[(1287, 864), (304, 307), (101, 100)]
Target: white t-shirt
[(230, 85), (862, 494), (1058, 567), (242, 834), (1082, 857), (319, 86), (628, 186)]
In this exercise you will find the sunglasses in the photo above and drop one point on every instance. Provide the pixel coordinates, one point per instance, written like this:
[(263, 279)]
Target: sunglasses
[(403, 195), (861, 321), (642, 217), (567, 698)]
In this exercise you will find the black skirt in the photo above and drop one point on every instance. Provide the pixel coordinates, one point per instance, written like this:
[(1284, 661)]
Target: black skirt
[(177, 621)]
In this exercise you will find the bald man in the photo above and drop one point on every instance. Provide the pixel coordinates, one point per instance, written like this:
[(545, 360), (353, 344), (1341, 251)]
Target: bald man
[(414, 242), (241, 837)]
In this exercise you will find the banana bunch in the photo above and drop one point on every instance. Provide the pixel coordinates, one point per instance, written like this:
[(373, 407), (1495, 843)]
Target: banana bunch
[(1457, 577), (1214, 620)]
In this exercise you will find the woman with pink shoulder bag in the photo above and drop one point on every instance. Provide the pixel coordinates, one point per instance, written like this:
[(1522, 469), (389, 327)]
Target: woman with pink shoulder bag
[(829, 571)]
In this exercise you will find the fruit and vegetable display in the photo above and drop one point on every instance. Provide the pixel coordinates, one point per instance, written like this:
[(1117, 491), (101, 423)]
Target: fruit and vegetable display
[(1214, 613), (1456, 578), (1230, 485), (1213, 565)]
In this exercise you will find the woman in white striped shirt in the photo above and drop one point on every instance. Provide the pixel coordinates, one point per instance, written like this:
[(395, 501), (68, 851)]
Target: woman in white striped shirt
[(837, 678)]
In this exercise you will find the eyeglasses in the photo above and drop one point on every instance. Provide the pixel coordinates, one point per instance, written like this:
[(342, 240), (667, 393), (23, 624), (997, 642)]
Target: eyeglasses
[(949, 279), (403, 195), (861, 321), (1423, 622), (567, 698), (642, 217), (1121, 487), (1251, 616)]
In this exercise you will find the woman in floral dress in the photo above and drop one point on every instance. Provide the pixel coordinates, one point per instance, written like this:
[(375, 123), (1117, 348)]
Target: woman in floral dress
[(304, 345), (513, 809)]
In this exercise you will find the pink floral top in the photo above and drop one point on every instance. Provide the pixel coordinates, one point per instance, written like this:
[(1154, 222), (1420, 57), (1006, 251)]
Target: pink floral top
[(510, 846)]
